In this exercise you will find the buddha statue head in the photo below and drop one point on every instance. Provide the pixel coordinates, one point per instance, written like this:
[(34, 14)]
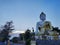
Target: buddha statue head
[(42, 16)]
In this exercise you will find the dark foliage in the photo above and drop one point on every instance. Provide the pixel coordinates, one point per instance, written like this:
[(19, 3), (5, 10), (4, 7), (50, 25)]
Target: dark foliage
[(7, 28), (56, 29), (15, 40), (28, 37)]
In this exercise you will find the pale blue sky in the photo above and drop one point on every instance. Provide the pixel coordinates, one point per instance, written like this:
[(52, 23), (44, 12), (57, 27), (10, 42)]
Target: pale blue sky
[(25, 13)]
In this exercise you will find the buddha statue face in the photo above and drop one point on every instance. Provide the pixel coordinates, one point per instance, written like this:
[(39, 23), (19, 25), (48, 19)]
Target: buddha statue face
[(42, 16)]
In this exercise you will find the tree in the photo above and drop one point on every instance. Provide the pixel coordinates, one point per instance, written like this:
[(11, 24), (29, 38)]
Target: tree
[(56, 29), (7, 28), (21, 36), (15, 40), (28, 37)]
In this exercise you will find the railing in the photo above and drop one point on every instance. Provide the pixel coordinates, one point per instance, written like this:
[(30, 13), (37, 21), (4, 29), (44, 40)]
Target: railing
[(48, 37), (47, 42)]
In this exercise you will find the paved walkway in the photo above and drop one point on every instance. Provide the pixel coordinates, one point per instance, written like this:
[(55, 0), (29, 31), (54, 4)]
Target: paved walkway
[(33, 42)]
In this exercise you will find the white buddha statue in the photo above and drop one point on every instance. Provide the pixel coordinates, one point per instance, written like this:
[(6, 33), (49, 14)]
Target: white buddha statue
[(40, 24)]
